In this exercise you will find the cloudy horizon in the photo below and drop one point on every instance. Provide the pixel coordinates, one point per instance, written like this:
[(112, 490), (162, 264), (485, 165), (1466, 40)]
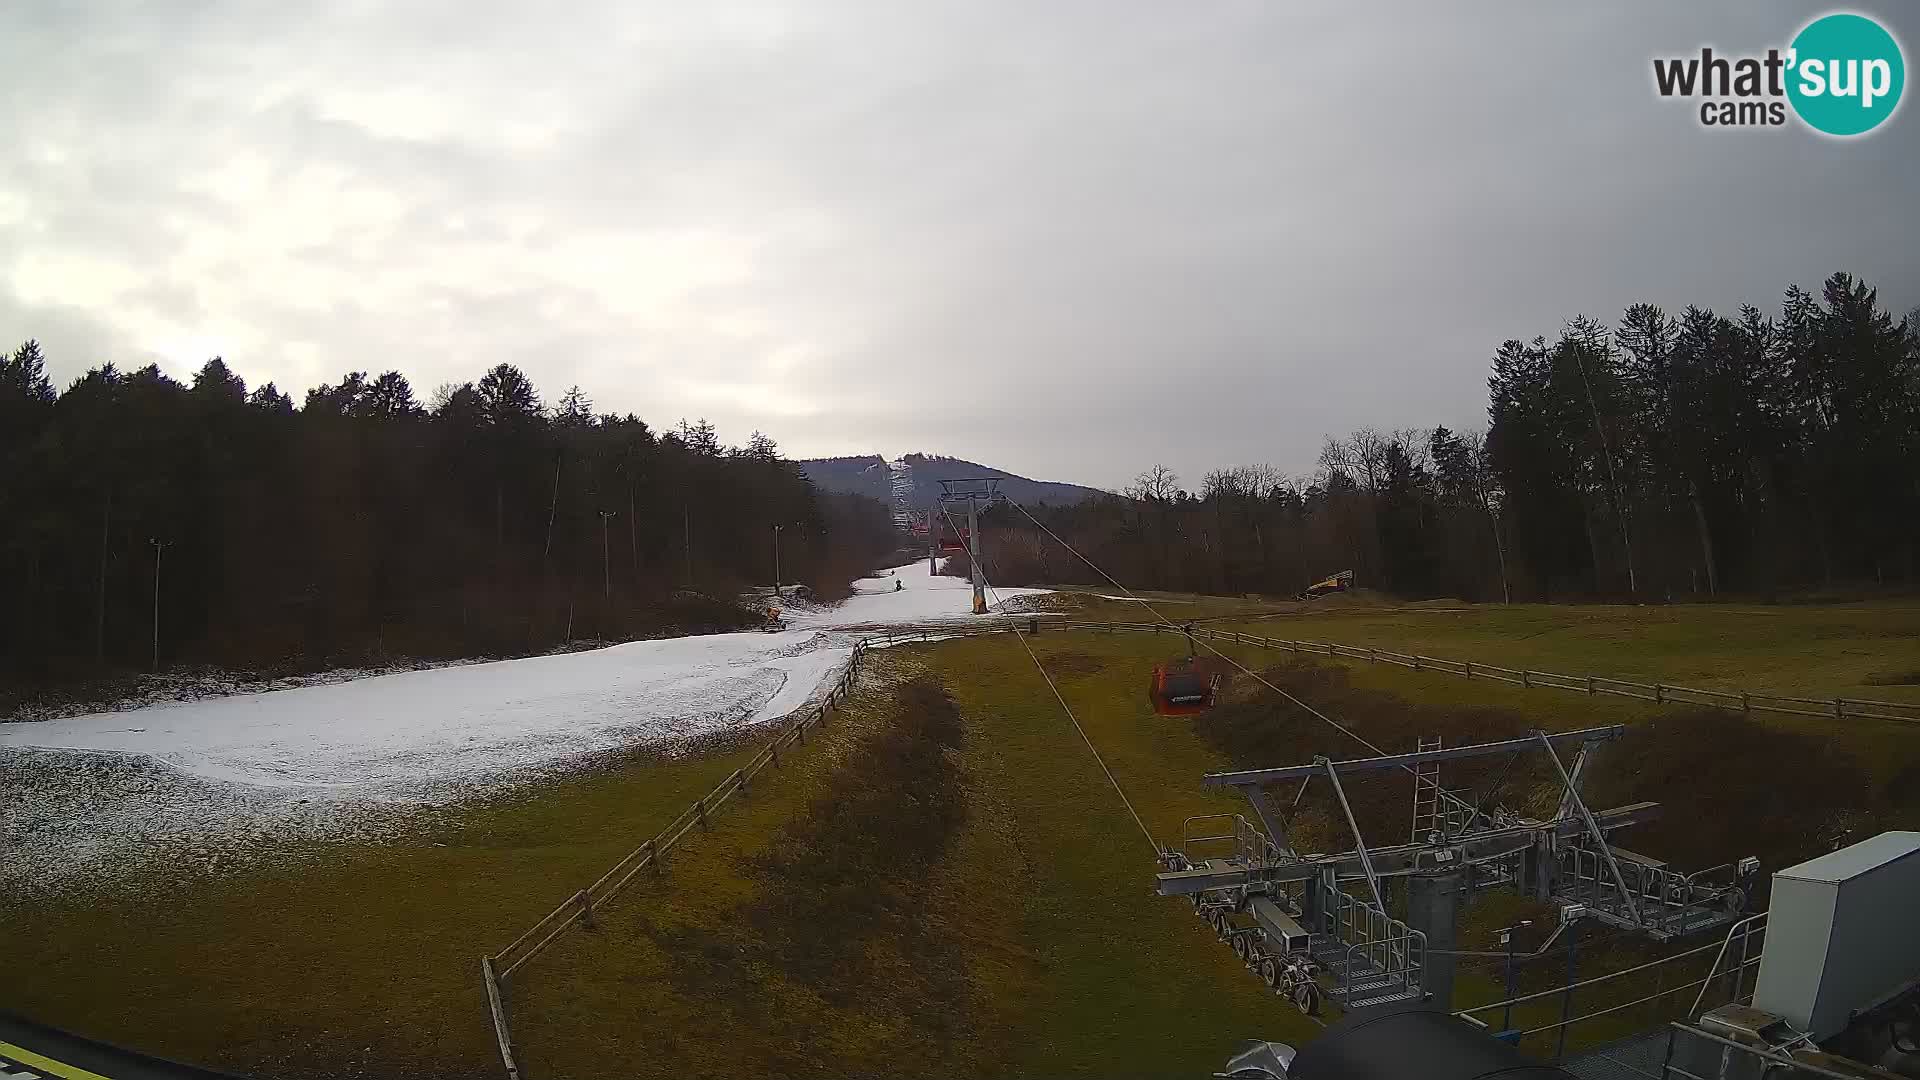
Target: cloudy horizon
[(1068, 240)]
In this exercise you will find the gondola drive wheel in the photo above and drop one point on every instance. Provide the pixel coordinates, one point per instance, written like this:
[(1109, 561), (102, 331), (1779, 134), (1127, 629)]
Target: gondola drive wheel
[(1306, 997), (1270, 971), (1240, 946)]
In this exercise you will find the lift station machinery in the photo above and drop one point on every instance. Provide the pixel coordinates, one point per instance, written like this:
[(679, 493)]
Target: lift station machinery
[(1312, 925)]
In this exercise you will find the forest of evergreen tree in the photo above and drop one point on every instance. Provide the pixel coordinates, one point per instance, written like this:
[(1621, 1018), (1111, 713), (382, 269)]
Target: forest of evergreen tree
[(366, 526), (1667, 459)]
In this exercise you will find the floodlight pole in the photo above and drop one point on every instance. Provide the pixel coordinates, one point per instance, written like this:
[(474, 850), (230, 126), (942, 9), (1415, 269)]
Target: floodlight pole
[(158, 547), (776, 561), (606, 552)]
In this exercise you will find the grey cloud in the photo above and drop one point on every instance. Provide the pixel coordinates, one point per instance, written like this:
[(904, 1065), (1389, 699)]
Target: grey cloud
[(1070, 239)]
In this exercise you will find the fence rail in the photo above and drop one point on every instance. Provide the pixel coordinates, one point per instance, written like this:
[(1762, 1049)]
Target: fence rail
[(1744, 701)]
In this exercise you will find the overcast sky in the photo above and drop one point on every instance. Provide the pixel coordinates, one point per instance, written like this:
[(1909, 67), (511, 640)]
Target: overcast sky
[(1068, 239)]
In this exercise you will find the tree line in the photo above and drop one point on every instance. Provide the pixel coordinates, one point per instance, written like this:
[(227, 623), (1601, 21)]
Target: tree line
[(1667, 458), (145, 521)]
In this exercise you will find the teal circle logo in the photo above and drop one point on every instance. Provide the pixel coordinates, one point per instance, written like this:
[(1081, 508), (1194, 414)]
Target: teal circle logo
[(1845, 74)]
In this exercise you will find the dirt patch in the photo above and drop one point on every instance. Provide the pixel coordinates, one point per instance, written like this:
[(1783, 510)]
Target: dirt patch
[(1073, 663), (1903, 794), (1894, 678), (836, 931), (1037, 602), (1731, 786)]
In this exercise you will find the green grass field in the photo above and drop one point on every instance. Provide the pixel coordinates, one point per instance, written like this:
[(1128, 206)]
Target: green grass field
[(986, 909), (355, 960)]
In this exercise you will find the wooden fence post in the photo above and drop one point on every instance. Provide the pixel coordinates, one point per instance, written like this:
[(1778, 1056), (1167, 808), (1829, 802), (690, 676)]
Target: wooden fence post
[(499, 1010), (1746, 704), (1589, 686), (1659, 694), (655, 860), (1839, 711), (1469, 667), (1526, 678), (700, 811), (586, 908)]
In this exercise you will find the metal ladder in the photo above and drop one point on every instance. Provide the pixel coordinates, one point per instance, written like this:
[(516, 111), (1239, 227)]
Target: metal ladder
[(1427, 815)]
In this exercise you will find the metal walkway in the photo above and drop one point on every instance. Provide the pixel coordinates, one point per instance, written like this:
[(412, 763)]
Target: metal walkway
[(1665, 904), (1356, 981), (1636, 1057)]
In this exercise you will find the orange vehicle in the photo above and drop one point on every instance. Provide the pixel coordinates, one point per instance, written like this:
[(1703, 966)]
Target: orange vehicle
[(1339, 582)]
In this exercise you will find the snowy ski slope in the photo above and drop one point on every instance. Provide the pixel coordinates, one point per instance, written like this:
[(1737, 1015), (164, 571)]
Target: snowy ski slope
[(353, 758)]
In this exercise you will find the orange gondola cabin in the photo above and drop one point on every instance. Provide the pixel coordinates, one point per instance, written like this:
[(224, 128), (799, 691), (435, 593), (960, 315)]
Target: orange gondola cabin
[(1182, 688)]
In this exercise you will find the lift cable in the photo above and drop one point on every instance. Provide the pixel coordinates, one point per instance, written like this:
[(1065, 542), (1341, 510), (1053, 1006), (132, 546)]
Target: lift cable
[(1144, 602), (1244, 669), (1068, 709)]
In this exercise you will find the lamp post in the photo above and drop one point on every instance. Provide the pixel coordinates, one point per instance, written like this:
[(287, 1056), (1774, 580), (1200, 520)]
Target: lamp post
[(1506, 939), (606, 557), (158, 547), (776, 560)]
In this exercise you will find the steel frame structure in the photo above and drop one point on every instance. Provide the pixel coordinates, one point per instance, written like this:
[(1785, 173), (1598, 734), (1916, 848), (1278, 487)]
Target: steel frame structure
[(1374, 957)]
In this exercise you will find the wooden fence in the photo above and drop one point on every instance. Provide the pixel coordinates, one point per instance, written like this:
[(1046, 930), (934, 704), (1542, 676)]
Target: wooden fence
[(1744, 701), (578, 909)]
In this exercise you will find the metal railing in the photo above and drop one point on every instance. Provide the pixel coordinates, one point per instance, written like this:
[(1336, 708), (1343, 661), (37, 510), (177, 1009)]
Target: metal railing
[(1393, 951), (1727, 974), (1251, 847), (1666, 900), (1744, 929), (1725, 1052)]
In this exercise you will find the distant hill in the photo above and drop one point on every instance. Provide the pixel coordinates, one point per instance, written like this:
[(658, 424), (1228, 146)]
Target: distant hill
[(869, 475)]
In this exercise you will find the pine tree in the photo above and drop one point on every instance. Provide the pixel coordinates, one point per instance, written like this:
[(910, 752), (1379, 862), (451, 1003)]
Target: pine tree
[(390, 397), (575, 409)]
